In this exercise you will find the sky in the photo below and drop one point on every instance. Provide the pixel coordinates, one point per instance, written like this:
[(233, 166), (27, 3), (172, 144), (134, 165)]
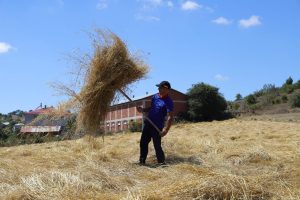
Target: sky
[(237, 46)]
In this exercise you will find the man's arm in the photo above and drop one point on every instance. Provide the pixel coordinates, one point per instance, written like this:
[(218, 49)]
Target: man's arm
[(141, 109), (168, 124)]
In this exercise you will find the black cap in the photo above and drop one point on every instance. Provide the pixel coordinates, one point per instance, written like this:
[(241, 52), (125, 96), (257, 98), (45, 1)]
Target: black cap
[(165, 84)]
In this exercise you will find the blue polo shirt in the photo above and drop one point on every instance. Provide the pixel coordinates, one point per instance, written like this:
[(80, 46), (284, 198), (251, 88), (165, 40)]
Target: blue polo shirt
[(159, 109)]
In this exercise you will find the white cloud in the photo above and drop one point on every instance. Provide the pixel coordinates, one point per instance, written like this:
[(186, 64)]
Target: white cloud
[(220, 77), (102, 4), (4, 47), (147, 18), (222, 21), (252, 21), (190, 5)]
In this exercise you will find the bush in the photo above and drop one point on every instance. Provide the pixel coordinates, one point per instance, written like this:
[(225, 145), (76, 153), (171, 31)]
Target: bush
[(267, 99), (268, 89), (182, 117), (70, 126), (295, 100), (236, 106), (276, 101), (3, 135), (250, 99), (258, 93), (205, 103), (284, 98), (288, 88), (135, 126), (254, 107), (297, 85), (11, 140)]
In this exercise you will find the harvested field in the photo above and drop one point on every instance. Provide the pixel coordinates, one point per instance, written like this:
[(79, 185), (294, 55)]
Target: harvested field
[(233, 159)]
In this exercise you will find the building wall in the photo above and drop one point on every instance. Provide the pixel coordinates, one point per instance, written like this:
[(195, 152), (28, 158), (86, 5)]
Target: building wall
[(119, 116), (29, 118)]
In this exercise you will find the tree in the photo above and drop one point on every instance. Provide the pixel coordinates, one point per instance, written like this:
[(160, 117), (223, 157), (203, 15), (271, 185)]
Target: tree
[(269, 88), (238, 97), (251, 99), (288, 86), (289, 81), (205, 103)]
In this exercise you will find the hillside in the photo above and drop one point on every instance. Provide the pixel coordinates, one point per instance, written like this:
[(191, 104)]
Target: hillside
[(234, 159), (269, 100)]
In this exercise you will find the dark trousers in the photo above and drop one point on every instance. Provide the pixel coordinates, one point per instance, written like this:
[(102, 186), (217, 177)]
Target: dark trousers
[(150, 132)]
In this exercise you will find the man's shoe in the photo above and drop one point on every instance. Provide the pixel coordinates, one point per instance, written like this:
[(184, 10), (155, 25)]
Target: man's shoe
[(142, 163), (162, 164)]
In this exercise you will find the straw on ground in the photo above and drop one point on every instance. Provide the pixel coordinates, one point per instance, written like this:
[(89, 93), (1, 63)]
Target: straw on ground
[(218, 160)]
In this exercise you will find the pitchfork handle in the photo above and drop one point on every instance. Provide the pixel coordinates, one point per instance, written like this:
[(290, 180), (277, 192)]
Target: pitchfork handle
[(147, 118)]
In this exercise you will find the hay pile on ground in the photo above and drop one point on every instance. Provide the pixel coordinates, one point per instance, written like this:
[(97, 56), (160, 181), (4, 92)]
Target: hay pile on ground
[(111, 68), (236, 160)]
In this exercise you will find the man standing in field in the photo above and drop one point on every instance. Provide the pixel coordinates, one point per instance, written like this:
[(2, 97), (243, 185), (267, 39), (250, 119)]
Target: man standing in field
[(161, 114)]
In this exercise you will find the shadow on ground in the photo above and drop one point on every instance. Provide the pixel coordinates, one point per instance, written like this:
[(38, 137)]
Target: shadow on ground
[(174, 159)]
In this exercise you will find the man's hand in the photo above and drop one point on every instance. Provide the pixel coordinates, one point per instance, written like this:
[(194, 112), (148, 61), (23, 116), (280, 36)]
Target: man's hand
[(164, 132), (167, 127), (139, 109)]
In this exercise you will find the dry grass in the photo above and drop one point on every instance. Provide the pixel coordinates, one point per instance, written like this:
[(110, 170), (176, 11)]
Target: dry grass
[(111, 68), (233, 159), (99, 77)]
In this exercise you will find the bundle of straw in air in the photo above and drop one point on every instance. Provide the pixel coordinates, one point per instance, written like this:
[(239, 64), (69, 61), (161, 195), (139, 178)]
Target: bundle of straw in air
[(111, 68)]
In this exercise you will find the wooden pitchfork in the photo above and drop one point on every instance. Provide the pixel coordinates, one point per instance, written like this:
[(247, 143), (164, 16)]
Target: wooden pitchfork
[(147, 118)]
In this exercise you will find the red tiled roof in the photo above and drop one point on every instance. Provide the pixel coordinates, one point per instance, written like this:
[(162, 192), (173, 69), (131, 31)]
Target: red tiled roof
[(39, 111)]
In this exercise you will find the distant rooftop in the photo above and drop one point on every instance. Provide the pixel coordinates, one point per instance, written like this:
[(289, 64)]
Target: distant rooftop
[(39, 111)]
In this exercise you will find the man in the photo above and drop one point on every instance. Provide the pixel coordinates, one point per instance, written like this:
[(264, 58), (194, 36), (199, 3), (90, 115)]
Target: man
[(161, 107)]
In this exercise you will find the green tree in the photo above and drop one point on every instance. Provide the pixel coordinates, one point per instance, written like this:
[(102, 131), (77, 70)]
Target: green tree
[(205, 103), (289, 81), (250, 99), (238, 97), (269, 88)]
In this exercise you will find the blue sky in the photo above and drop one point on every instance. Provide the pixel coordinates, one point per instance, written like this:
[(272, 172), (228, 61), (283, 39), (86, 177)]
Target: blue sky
[(237, 46)]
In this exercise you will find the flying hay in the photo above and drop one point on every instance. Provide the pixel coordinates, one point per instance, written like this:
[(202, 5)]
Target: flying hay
[(111, 68)]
